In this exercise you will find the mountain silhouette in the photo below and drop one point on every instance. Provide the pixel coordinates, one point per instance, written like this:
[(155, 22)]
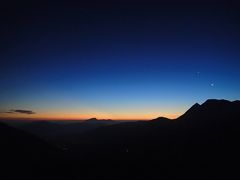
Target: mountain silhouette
[(100, 121), (160, 119), (213, 114), (59, 133), (201, 143), (26, 156), (213, 108)]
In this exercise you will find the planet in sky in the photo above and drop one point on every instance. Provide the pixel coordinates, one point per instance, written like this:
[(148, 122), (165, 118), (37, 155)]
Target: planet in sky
[(131, 60)]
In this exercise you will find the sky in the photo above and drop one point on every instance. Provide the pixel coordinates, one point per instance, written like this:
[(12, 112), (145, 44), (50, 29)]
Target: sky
[(116, 59)]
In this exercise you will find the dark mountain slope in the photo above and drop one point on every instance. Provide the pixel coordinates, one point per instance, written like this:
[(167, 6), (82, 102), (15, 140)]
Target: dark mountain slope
[(26, 156), (202, 143), (60, 133)]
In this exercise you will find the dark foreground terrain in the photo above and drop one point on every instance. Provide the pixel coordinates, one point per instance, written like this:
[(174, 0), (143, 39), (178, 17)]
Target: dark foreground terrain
[(201, 144)]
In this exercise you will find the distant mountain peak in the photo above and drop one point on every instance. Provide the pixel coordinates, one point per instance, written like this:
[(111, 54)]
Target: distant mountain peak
[(190, 111), (92, 119), (211, 108), (196, 105), (160, 119), (99, 121), (95, 119), (236, 102), (214, 101)]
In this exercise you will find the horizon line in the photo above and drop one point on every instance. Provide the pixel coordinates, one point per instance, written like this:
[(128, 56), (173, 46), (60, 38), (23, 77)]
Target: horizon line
[(79, 119)]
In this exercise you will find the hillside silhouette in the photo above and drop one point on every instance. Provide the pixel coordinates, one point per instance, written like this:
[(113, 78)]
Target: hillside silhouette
[(59, 133), (201, 143), (24, 155)]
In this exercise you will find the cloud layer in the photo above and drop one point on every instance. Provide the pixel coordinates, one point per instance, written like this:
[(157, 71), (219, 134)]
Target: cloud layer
[(20, 111)]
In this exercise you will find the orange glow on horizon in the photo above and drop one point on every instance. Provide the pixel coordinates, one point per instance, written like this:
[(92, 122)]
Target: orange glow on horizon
[(78, 116)]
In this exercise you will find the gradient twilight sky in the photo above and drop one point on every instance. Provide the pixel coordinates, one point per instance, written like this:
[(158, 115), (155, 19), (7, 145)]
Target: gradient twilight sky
[(117, 59)]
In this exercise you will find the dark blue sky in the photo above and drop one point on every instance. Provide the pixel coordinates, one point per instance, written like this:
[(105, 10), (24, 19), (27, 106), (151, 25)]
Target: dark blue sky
[(117, 59)]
